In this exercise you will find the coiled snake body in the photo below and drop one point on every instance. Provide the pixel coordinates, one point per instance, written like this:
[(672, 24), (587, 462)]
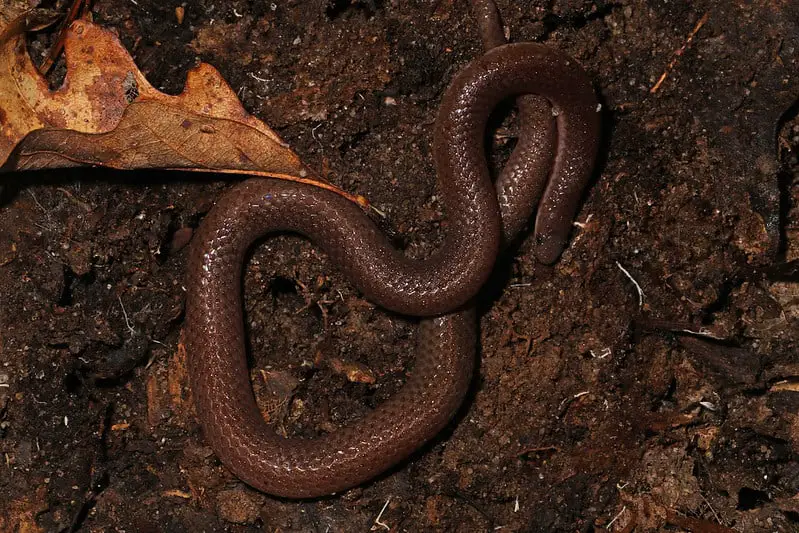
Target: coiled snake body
[(552, 162)]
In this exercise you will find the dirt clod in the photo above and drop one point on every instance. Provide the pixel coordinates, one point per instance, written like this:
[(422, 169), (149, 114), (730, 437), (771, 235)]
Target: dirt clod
[(238, 506)]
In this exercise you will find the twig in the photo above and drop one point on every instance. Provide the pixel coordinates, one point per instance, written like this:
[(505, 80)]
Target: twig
[(125, 314), (78, 9), (703, 332), (616, 518), (679, 53), (38, 203), (86, 207), (604, 353), (377, 520), (637, 286), (716, 516), (378, 211), (567, 401)]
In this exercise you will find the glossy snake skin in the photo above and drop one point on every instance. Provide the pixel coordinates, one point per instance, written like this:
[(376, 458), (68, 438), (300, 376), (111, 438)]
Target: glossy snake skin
[(552, 162)]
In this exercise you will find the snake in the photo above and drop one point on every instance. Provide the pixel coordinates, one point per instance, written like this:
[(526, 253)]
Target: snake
[(548, 170)]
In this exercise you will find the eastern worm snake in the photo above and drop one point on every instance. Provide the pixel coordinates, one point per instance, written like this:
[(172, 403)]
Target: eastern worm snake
[(553, 161)]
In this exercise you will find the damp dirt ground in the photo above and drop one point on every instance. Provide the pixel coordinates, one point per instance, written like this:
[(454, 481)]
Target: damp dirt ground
[(648, 381)]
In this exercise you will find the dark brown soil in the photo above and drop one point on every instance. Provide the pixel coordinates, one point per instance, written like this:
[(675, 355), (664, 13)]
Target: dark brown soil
[(646, 382)]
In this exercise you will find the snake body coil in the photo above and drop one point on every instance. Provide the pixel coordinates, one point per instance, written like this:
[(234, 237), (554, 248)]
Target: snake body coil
[(553, 166)]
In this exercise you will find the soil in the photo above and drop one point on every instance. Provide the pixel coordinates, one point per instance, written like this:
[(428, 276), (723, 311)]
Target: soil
[(648, 381)]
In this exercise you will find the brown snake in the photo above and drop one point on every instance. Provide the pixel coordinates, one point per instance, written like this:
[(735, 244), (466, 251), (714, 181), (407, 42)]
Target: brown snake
[(552, 162)]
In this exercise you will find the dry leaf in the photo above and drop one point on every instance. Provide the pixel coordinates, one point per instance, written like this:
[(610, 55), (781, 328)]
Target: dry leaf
[(353, 371), (11, 11), (107, 114)]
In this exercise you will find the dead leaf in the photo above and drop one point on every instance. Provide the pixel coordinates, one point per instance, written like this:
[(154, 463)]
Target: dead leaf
[(107, 114), (353, 371), (11, 12), (274, 392)]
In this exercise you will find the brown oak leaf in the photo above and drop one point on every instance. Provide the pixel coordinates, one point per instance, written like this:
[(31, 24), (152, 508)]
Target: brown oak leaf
[(107, 114)]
